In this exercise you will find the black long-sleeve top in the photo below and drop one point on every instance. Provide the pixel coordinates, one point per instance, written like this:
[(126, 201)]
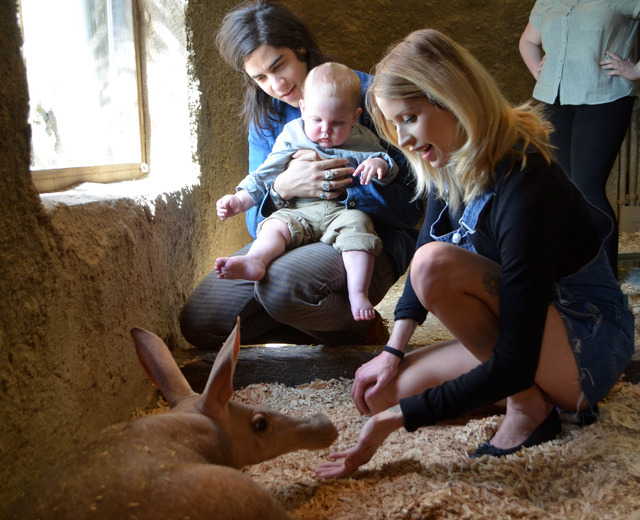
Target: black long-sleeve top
[(538, 228)]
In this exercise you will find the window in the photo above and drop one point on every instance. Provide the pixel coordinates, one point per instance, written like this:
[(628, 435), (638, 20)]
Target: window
[(84, 89)]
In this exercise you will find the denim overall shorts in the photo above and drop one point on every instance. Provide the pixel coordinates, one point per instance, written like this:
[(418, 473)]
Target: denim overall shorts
[(599, 324)]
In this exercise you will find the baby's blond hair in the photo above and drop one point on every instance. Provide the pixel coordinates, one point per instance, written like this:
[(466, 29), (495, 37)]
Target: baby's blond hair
[(335, 80)]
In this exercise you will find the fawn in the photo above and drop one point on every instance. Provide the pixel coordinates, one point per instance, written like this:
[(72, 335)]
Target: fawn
[(183, 464)]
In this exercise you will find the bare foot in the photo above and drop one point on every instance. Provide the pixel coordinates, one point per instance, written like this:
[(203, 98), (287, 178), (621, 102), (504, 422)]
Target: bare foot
[(240, 268), (361, 307)]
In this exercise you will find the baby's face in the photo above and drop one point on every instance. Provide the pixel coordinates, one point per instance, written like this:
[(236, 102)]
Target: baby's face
[(328, 120)]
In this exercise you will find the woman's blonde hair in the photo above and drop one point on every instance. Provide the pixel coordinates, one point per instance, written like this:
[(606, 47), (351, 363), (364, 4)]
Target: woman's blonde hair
[(429, 65)]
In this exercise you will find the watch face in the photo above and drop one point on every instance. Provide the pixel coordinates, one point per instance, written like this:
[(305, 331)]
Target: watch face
[(277, 200)]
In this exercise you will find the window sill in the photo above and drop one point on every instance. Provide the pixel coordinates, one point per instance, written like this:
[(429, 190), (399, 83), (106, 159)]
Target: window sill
[(143, 191), (47, 181)]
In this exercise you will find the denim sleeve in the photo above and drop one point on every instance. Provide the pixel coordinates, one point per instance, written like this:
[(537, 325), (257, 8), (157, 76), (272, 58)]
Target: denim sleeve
[(257, 183), (390, 204)]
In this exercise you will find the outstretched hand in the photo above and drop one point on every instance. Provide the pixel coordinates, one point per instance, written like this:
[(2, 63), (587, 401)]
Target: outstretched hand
[(371, 437), (370, 168)]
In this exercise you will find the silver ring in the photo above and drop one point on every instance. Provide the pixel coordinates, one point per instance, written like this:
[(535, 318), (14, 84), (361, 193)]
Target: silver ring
[(328, 175), (323, 195), (326, 186)]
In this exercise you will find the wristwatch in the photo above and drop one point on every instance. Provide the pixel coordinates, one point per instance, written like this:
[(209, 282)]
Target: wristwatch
[(277, 199)]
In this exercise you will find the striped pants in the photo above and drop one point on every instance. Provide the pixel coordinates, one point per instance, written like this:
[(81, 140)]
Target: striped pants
[(302, 299)]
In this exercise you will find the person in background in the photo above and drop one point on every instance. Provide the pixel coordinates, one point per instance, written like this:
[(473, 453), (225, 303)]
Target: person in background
[(509, 259), (304, 299), (582, 55), (329, 125)]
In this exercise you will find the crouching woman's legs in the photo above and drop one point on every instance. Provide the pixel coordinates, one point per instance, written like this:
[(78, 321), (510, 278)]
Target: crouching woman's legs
[(462, 289)]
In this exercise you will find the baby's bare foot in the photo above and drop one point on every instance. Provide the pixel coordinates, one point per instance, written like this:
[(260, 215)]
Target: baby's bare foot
[(361, 307), (240, 268)]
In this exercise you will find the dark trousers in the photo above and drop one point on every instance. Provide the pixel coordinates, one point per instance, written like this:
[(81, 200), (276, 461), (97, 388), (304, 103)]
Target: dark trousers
[(588, 138)]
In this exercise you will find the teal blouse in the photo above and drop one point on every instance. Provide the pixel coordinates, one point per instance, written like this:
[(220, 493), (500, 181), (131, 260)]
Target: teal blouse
[(575, 36)]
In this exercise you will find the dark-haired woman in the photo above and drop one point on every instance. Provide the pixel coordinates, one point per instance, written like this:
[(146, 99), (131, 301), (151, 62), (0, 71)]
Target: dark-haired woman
[(303, 298)]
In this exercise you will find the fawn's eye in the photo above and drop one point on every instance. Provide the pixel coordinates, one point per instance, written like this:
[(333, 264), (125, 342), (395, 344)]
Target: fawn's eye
[(259, 423)]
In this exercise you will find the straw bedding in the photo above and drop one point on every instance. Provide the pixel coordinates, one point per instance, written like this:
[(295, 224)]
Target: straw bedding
[(586, 473)]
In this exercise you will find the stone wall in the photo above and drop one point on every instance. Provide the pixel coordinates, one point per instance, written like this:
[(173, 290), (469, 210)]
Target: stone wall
[(78, 270)]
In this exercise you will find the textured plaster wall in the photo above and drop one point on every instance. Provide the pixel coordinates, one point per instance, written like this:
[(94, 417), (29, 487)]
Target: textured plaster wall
[(78, 270), (358, 32)]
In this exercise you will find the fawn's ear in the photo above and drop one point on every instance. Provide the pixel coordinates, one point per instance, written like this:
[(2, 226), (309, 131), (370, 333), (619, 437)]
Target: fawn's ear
[(220, 384), (160, 366)]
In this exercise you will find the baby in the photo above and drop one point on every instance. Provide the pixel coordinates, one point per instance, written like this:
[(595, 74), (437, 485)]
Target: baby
[(330, 108)]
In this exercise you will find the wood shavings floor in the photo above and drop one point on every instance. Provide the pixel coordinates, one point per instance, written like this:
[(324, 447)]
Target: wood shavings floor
[(587, 473), (590, 473)]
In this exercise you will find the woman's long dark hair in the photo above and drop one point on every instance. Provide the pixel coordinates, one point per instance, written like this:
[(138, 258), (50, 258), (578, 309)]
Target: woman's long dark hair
[(256, 23)]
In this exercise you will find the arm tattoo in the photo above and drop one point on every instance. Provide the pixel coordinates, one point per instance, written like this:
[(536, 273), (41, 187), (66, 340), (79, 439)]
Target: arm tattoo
[(491, 284)]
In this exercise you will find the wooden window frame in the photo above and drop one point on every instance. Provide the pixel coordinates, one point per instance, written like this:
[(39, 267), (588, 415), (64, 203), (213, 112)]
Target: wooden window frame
[(60, 179)]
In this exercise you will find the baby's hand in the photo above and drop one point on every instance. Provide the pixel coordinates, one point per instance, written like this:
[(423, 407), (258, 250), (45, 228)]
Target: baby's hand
[(228, 206), (369, 168)]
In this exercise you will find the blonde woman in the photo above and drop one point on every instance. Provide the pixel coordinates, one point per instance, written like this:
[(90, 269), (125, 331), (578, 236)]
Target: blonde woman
[(509, 259)]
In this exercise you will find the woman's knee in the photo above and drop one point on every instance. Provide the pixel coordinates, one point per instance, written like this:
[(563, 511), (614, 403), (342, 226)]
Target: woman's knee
[(198, 331), (379, 402), (431, 271), (211, 311)]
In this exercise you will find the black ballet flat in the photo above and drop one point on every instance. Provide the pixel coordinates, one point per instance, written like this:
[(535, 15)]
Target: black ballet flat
[(547, 431)]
